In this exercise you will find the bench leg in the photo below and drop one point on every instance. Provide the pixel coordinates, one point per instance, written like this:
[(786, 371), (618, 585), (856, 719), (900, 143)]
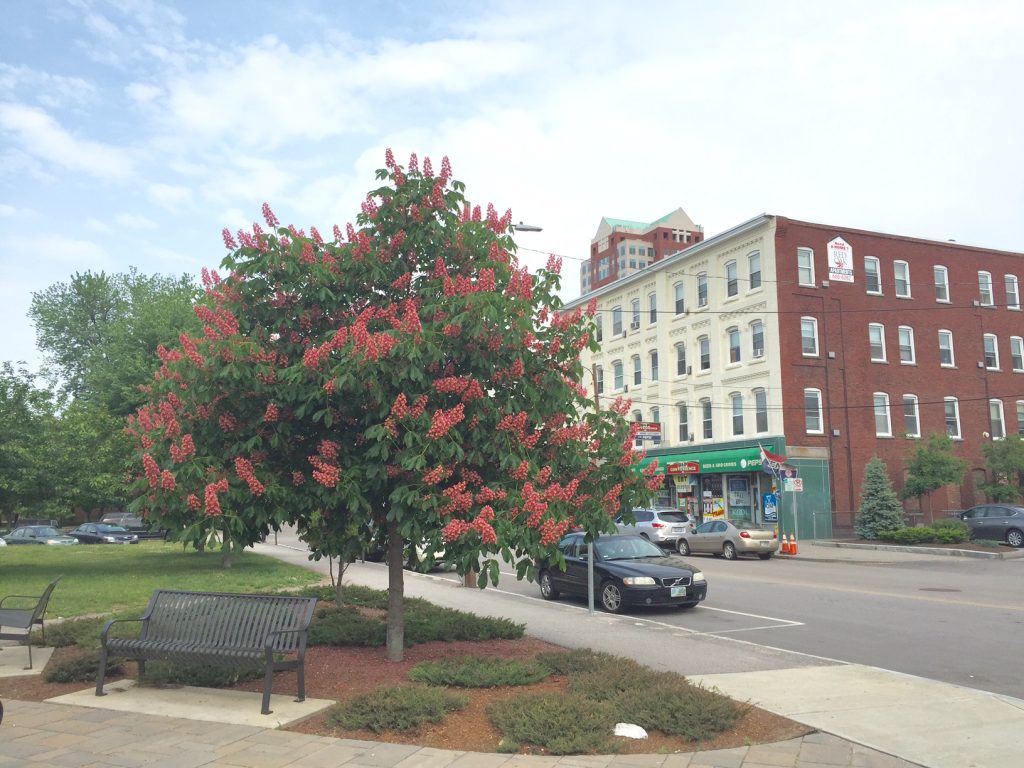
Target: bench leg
[(28, 644), (101, 672), (301, 670), (268, 683)]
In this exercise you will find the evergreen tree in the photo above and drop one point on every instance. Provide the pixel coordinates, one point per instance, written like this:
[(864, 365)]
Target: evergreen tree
[(880, 508)]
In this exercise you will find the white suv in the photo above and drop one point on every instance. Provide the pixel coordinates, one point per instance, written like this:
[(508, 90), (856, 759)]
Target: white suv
[(663, 527)]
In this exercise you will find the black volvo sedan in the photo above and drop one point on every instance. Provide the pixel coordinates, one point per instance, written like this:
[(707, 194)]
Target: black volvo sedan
[(629, 571)]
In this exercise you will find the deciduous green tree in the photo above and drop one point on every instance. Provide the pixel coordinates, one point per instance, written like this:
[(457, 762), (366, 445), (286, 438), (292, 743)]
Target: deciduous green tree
[(26, 460), (409, 380), (880, 508), (931, 466), (1005, 461)]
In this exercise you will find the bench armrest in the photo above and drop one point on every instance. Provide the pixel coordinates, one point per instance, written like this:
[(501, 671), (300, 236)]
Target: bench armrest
[(109, 624), (20, 597), (269, 646)]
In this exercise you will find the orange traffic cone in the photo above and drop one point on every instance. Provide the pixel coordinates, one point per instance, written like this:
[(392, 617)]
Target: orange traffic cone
[(784, 549), (792, 545)]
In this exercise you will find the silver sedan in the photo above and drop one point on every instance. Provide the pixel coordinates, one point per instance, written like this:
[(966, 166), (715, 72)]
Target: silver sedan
[(730, 539)]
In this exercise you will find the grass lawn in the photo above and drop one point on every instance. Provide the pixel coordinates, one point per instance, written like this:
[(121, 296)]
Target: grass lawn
[(113, 578)]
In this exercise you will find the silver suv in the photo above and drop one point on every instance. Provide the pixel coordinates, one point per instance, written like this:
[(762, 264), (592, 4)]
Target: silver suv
[(663, 527)]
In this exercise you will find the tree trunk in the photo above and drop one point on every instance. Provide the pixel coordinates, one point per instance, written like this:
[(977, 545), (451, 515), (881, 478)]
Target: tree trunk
[(339, 596), (396, 590), (225, 551)]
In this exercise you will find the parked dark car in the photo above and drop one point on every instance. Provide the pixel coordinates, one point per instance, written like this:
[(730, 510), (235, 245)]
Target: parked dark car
[(629, 571), (999, 522), (103, 533), (39, 534)]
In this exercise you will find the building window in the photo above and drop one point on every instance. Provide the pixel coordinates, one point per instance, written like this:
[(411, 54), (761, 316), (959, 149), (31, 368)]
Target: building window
[(632, 250), (809, 336), (602, 268), (872, 275), (876, 338), (681, 369), (734, 345), (902, 273), (732, 279), (616, 321), (679, 295), (704, 344), (995, 419), (1012, 292), (654, 366), (883, 425), (1020, 418), (599, 379), (952, 409), (599, 329), (991, 352), (702, 289), (656, 418), (946, 358), (652, 308), (985, 289), (617, 377), (757, 338), (634, 322), (684, 423), (1017, 353), (805, 266), (812, 411), (737, 413), (906, 339), (942, 284), (705, 415), (754, 269), (637, 372), (760, 411), (911, 417)]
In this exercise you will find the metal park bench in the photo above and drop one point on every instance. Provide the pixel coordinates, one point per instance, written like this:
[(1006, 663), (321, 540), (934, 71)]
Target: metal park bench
[(217, 628), (23, 619)]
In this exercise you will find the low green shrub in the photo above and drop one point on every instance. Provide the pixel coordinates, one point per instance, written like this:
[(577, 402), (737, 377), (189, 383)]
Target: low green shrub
[(670, 704), (425, 622), (611, 677), (951, 531), (558, 724), (568, 662), (80, 669), (916, 535), (353, 594), (402, 708), (346, 627), (478, 672), (85, 633), (198, 674), (988, 543)]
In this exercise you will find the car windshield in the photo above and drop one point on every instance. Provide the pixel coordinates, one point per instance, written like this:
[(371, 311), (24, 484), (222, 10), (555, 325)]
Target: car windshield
[(111, 529), (746, 525), (626, 548), (672, 517)]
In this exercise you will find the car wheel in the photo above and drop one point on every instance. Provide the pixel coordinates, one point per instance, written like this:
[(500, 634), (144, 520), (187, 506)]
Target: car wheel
[(1014, 537), (683, 547), (547, 588), (729, 551), (611, 597), (766, 556)]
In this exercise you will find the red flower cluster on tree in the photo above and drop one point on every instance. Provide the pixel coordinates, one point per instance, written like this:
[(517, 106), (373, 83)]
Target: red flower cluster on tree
[(271, 414), (210, 495), (442, 421), (245, 471)]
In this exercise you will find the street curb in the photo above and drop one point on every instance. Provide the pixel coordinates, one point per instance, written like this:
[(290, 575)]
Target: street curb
[(925, 550)]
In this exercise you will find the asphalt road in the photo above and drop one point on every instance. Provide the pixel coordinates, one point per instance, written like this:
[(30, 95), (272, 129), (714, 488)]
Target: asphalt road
[(952, 619)]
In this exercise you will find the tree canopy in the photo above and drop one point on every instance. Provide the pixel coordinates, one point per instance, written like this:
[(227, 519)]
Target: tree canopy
[(1005, 460), (408, 381), (26, 461), (931, 466)]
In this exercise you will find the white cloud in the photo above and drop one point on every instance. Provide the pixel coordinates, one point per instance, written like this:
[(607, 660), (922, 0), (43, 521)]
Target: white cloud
[(98, 226), (169, 196), (142, 93), (134, 221), (48, 89), (7, 211), (42, 137), (56, 250)]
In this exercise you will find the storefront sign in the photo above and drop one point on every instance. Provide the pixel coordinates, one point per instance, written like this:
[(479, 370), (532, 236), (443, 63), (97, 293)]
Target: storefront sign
[(682, 468), (708, 462), (649, 429), (840, 261), (770, 505)]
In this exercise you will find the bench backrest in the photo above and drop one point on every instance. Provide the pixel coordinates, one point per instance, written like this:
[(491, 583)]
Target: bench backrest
[(40, 609), (226, 620)]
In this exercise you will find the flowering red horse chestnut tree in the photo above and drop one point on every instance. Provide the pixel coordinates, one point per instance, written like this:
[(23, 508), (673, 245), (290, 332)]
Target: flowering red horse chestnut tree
[(408, 381)]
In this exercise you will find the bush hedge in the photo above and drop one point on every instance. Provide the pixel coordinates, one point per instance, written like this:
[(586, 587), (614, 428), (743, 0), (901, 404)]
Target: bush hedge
[(948, 531)]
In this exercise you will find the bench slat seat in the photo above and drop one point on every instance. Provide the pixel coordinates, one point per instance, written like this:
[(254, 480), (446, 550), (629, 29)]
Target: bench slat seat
[(217, 626)]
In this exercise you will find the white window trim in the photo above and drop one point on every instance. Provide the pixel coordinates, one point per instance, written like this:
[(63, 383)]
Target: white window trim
[(1015, 306), (677, 287), (956, 412), (917, 415), (817, 346), (995, 351), (760, 272), (711, 412), (1019, 340), (821, 414), (701, 370), (686, 368), (703, 277), (909, 293), (1002, 418), (913, 350), (1020, 418), (618, 372), (952, 350), (753, 353), (739, 345), (736, 269), (810, 252), (767, 418), (878, 274), (991, 290), (945, 283), (885, 355), (733, 398), (888, 413)]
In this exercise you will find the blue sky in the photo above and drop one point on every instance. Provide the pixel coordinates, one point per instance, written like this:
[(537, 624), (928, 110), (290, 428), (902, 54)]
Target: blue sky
[(133, 131)]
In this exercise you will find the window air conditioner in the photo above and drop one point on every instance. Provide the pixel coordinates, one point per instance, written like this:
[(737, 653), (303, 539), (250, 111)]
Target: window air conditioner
[(758, 353), (634, 326)]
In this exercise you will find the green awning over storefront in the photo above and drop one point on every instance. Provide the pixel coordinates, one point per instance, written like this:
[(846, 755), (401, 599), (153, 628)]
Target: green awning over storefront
[(729, 460)]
